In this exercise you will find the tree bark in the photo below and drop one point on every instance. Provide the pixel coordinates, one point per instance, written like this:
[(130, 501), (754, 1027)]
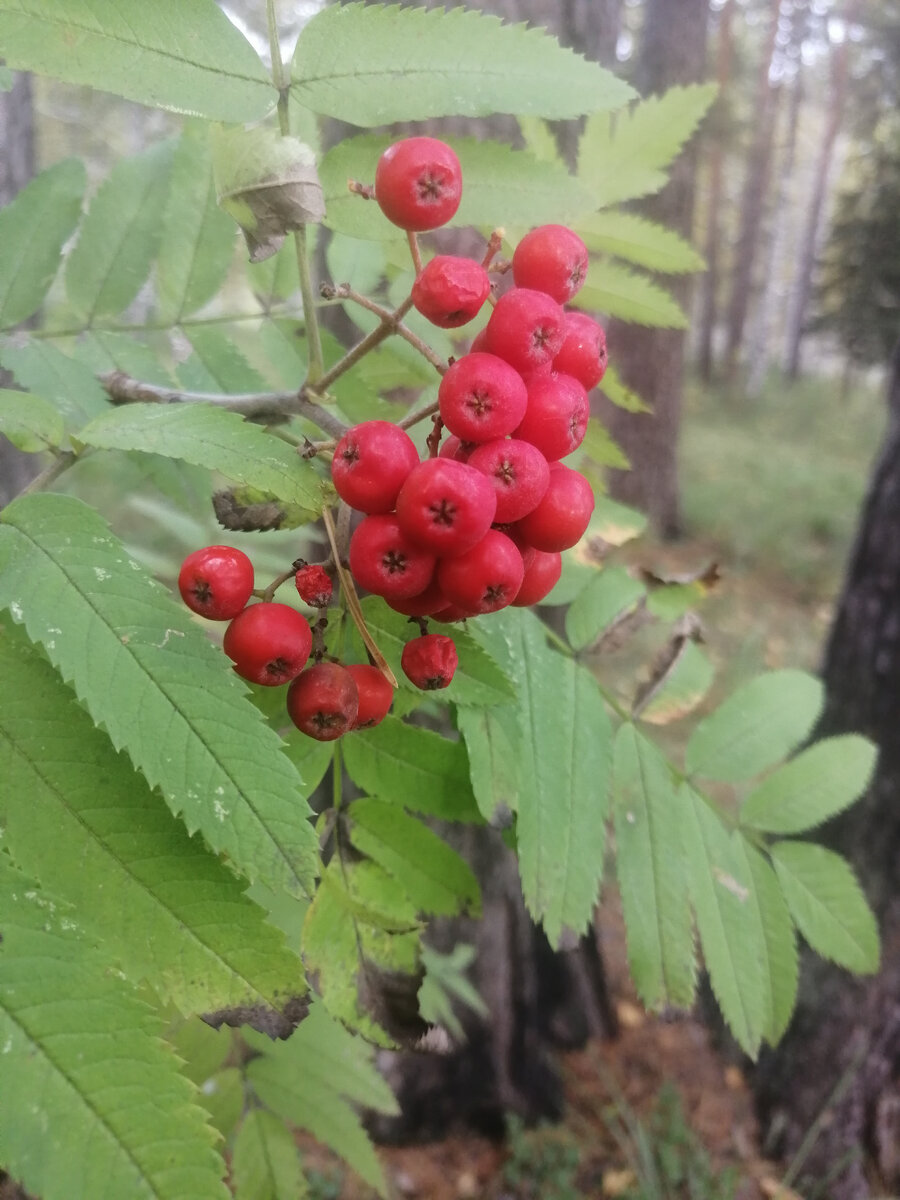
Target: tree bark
[(839, 1064), (16, 168), (753, 198), (672, 51)]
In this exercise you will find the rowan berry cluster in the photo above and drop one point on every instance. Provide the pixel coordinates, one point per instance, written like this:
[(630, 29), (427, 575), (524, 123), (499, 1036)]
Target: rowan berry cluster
[(477, 525)]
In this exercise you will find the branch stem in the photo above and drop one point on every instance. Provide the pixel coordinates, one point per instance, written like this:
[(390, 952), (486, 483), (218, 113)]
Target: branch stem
[(345, 292)]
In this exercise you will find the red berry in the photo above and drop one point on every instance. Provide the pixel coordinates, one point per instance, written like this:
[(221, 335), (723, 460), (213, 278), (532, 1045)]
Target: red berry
[(526, 329), (479, 343), (518, 472), (551, 259), (418, 183), (486, 578), (430, 661), (541, 577), (375, 695), (268, 643), (314, 585), (427, 602), (452, 613), (216, 582), (557, 415), (445, 506), (323, 701), (482, 398), (454, 447), (450, 290), (370, 463), (562, 516), (583, 352), (385, 561)]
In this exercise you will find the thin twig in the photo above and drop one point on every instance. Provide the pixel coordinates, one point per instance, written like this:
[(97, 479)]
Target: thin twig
[(420, 414), (415, 251), (369, 342), (61, 463), (345, 292)]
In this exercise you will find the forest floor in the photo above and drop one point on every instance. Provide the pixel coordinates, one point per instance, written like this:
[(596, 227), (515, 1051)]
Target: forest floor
[(771, 492)]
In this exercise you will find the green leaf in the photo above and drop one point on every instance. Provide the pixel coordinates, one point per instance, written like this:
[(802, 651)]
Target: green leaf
[(617, 393), (822, 781), (213, 438), (600, 447), (92, 1100), (538, 138), (615, 290), (755, 727), (77, 814), (493, 738), (32, 232), (610, 594), (410, 64), (218, 363), (728, 920), (626, 157), (564, 780), (30, 423), (640, 241), (314, 1078), (265, 1164), (616, 523), (653, 876), (6, 79), (183, 55), (411, 766), (120, 235), (828, 905), (681, 678), (477, 682), (433, 875), (779, 967), (146, 672), (197, 240), (67, 384), (501, 185), (445, 982)]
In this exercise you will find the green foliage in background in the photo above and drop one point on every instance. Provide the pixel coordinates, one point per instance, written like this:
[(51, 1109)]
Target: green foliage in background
[(159, 860)]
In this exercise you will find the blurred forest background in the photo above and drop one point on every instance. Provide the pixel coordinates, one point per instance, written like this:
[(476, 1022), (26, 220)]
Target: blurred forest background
[(768, 410)]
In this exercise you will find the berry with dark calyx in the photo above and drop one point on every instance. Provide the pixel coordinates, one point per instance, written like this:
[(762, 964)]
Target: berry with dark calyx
[(445, 506), (541, 577), (562, 516), (583, 352), (268, 643), (430, 661), (526, 329), (314, 585), (485, 578), (323, 701), (518, 472), (482, 397), (375, 695), (385, 561), (370, 463), (418, 183), (450, 291), (216, 582), (557, 416), (551, 259)]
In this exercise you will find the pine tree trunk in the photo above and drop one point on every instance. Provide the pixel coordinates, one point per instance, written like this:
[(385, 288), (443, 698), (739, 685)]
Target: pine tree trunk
[(839, 1064), (672, 51)]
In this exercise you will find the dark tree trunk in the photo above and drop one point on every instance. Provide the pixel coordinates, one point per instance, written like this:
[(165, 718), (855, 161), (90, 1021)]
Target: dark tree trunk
[(840, 1060), (16, 168), (672, 51)]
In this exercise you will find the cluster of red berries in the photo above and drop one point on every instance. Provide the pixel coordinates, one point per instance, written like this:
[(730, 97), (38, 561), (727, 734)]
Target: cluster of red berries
[(478, 525)]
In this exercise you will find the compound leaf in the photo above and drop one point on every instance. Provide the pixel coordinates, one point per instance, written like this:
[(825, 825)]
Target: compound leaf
[(755, 727), (183, 55), (828, 905), (613, 289), (652, 872), (265, 1164), (69, 385), (213, 438), (640, 241), (151, 677), (33, 229), (493, 738), (93, 1102), (411, 64), (75, 812), (819, 782)]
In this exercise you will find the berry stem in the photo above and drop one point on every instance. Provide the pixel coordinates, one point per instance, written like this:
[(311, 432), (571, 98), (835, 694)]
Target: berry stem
[(61, 463), (414, 250), (345, 292), (348, 590), (420, 414), (388, 326), (493, 247)]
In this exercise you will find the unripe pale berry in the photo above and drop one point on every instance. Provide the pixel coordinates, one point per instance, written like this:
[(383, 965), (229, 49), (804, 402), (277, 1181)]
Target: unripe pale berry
[(450, 290), (216, 582), (551, 259), (370, 463), (430, 661), (418, 183), (268, 643), (323, 701)]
